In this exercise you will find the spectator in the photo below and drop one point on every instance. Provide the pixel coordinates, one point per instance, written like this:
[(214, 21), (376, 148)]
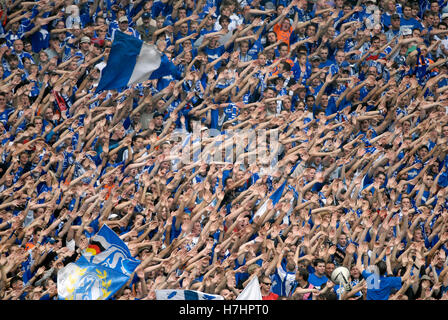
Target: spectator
[(337, 112)]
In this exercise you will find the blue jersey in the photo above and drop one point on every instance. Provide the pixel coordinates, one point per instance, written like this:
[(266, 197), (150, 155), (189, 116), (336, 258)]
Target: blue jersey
[(410, 23), (379, 288), (316, 281), (4, 116), (213, 54), (283, 282), (40, 40)]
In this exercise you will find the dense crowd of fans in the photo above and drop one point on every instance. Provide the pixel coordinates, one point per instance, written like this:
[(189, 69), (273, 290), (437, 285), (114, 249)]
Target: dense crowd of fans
[(348, 106)]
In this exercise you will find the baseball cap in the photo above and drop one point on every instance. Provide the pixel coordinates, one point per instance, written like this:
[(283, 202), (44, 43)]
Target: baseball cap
[(315, 58), (157, 114), (85, 39), (411, 48), (426, 277), (395, 16), (269, 5), (123, 19), (445, 15), (146, 15)]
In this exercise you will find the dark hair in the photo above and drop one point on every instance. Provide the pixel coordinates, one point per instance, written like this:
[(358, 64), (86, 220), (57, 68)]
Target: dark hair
[(380, 173), (427, 14), (317, 261), (224, 18), (302, 48), (264, 278), (12, 57), (271, 88), (15, 279), (282, 44), (311, 25), (407, 4), (134, 138), (286, 66), (329, 295), (300, 55), (382, 268), (303, 273)]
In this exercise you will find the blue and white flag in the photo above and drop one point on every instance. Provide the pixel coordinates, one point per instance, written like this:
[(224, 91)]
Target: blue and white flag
[(167, 294), (108, 250), (274, 198), (131, 61), (104, 267), (79, 281)]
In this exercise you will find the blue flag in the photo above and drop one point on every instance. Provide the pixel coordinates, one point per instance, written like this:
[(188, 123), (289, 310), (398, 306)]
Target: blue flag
[(166, 68), (105, 266), (87, 281), (275, 197), (108, 250), (132, 61)]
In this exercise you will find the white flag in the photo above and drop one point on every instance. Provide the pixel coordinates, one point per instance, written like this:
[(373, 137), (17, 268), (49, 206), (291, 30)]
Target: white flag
[(251, 291)]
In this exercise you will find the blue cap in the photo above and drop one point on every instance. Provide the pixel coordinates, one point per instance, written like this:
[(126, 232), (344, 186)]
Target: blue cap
[(157, 114)]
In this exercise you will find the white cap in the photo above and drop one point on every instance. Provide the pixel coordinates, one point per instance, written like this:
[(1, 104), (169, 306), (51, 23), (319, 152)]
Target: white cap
[(122, 19), (445, 15)]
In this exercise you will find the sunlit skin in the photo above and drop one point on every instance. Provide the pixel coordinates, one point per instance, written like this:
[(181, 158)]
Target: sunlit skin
[(186, 168)]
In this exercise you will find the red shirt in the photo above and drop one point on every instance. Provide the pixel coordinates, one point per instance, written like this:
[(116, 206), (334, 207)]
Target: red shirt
[(270, 296)]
